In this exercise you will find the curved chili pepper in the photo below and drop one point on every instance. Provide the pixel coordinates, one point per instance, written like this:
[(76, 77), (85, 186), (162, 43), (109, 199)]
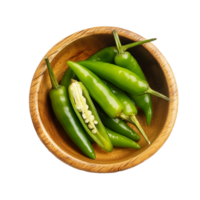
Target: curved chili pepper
[(117, 125), (87, 114), (129, 108), (126, 60), (66, 116), (108, 54), (121, 77)]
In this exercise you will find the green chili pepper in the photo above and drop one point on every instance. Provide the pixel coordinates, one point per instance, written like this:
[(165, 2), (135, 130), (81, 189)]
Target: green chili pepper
[(87, 114), (108, 54), (126, 60), (121, 141), (121, 77), (66, 116), (117, 125), (129, 108)]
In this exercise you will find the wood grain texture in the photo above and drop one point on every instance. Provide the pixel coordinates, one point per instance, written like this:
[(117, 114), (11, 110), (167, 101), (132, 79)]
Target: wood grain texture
[(79, 46)]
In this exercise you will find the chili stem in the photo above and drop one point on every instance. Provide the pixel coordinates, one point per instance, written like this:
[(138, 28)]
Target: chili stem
[(118, 43), (124, 117), (135, 121), (150, 91), (54, 81), (128, 46)]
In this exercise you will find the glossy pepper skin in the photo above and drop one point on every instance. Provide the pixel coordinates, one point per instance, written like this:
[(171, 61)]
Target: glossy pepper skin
[(105, 55), (66, 116), (121, 77), (108, 54), (144, 102), (100, 136), (126, 60), (117, 125), (129, 108), (98, 90), (121, 141)]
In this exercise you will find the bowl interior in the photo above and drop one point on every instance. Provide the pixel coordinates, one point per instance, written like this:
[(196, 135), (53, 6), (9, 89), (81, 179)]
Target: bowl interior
[(81, 49)]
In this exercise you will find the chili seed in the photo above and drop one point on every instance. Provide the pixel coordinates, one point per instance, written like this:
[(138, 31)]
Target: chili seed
[(94, 131), (90, 126), (89, 112), (86, 121), (92, 117), (84, 116), (78, 108)]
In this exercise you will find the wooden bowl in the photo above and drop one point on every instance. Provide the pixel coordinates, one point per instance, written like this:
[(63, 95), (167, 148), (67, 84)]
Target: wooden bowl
[(79, 46)]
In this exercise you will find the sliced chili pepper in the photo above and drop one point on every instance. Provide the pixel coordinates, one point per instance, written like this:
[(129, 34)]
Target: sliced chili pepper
[(129, 108), (121, 77), (87, 114), (108, 54), (126, 60), (117, 125), (66, 116)]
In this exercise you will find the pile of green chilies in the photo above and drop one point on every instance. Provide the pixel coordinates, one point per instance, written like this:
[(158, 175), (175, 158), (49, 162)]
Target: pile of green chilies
[(114, 80)]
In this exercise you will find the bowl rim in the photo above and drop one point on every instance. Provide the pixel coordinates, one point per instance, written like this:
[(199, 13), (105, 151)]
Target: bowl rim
[(94, 167)]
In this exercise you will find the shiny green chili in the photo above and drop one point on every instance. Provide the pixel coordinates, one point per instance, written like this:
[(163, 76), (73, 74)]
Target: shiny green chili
[(121, 141), (126, 60), (66, 116), (121, 77)]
